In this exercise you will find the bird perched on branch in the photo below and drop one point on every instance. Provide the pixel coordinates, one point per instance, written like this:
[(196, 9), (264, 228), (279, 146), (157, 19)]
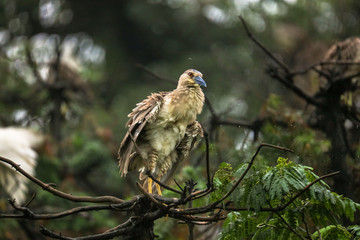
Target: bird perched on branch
[(162, 130), (345, 73), (347, 51)]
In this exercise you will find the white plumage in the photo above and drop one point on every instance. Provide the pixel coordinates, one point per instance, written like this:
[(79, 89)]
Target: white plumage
[(17, 144)]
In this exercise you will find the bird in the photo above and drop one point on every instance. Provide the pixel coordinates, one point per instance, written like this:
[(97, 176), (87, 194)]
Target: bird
[(344, 51), (18, 144), (162, 130), (343, 76)]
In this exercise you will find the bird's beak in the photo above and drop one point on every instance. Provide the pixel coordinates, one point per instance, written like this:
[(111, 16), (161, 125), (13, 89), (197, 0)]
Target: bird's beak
[(200, 81)]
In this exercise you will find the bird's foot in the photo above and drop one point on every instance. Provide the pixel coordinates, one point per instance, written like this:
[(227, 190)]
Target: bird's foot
[(150, 185), (158, 189)]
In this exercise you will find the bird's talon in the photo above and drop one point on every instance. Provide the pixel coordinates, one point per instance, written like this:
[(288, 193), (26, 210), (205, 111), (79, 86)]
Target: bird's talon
[(150, 185)]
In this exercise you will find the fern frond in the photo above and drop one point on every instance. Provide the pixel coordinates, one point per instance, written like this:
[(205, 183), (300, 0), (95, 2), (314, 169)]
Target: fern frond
[(332, 232), (355, 231), (257, 197)]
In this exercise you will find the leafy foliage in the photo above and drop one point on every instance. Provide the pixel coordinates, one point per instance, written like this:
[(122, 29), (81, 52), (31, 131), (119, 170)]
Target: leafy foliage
[(222, 180), (355, 231), (152, 33), (292, 129), (332, 232), (273, 187)]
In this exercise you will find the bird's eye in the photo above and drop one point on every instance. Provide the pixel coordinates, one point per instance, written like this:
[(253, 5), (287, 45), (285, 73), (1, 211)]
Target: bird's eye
[(191, 74)]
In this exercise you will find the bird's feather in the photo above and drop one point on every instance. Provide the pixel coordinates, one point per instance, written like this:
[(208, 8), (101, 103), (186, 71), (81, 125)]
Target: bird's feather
[(194, 132), (17, 144), (144, 112), (347, 50)]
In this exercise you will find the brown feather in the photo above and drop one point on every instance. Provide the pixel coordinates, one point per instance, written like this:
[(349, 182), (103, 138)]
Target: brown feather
[(347, 50), (143, 113), (194, 132)]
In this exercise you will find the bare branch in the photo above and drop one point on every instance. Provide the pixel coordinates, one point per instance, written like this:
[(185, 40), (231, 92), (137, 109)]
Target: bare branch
[(285, 78), (105, 235), (279, 62), (151, 198), (236, 124), (162, 184), (209, 182), (154, 75), (28, 214), (58, 193), (207, 208)]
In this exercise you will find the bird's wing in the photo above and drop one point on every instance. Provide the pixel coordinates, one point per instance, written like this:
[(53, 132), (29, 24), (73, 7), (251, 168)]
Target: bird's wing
[(194, 132), (17, 144), (144, 112)]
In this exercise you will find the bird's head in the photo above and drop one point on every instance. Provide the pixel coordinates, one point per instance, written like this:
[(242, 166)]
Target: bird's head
[(191, 78)]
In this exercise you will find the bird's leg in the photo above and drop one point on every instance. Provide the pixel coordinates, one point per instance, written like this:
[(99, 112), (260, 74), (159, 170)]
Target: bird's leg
[(149, 180), (158, 187), (153, 156)]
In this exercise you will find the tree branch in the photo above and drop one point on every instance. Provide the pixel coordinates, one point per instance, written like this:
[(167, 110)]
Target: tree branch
[(58, 193), (287, 79), (287, 224), (249, 34)]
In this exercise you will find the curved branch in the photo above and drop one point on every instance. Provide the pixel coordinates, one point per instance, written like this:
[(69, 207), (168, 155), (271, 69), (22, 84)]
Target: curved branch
[(287, 224), (207, 208), (105, 235), (154, 75), (163, 184), (151, 198), (58, 193), (279, 62), (287, 79), (248, 168), (281, 207), (28, 214)]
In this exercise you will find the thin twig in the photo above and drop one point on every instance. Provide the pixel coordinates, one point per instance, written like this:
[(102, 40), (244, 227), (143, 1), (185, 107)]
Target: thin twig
[(236, 124), (182, 189), (190, 224), (279, 62), (248, 168), (154, 75), (306, 226), (212, 206), (163, 185), (207, 158), (286, 80), (30, 200), (290, 85), (211, 108), (281, 207), (287, 224), (28, 214), (306, 188), (127, 223)]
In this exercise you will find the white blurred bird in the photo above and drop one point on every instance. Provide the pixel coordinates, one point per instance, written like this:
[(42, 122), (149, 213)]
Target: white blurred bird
[(18, 144)]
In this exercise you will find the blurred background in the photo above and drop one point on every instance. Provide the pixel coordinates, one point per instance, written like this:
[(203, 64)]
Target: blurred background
[(73, 70)]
